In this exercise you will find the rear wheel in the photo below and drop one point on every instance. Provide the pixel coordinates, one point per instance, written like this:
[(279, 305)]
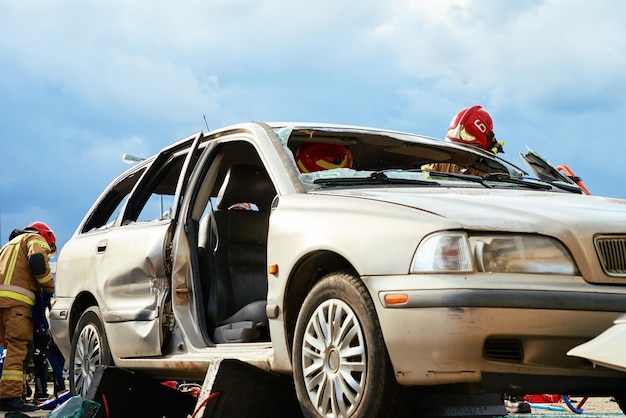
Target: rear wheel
[(90, 349), (340, 364)]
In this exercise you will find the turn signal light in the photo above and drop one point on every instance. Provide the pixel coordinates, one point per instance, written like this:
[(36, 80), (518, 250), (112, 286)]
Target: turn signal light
[(272, 269), (396, 298)]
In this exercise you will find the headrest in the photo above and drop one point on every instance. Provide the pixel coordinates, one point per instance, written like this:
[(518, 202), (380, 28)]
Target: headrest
[(246, 183)]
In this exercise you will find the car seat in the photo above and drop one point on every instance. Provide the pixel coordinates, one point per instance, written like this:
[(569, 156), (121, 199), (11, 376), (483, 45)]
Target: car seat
[(238, 283)]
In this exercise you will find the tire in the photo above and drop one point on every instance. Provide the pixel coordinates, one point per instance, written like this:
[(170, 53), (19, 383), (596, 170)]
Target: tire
[(90, 349), (340, 364)]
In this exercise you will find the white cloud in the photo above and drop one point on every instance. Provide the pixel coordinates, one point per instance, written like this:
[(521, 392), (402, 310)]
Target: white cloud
[(100, 78), (519, 55)]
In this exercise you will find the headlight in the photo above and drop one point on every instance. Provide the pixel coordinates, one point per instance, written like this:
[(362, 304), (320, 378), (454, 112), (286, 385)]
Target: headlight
[(457, 252), (442, 253)]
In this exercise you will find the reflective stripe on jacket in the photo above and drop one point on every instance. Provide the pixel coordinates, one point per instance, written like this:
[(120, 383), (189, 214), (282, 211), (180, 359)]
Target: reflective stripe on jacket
[(16, 292)]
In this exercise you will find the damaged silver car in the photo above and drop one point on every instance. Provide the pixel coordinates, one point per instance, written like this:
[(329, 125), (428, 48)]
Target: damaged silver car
[(363, 281)]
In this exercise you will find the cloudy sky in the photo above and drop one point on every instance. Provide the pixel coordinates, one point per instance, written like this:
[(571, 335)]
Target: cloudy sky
[(83, 82)]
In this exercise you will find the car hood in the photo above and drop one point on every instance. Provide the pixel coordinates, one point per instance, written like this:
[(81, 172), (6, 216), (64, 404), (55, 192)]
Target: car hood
[(506, 210)]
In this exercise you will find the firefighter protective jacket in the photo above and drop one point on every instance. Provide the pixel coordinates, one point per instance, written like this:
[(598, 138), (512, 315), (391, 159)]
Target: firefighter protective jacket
[(18, 283)]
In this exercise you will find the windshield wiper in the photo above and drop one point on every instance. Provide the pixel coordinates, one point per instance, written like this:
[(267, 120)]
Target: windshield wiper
[(460, 176), (377, 177), (504, 178)]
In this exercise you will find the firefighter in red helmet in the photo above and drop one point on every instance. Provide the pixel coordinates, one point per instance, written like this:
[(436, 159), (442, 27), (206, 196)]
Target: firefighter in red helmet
[(474, 126), (470, 126), (311, 157), (24, 272)]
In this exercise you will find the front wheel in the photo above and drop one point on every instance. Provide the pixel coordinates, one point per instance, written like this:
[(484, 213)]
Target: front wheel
[(340, 364), (90, 349)]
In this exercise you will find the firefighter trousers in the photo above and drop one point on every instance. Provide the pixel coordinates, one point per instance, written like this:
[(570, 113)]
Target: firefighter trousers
[(16, 330)]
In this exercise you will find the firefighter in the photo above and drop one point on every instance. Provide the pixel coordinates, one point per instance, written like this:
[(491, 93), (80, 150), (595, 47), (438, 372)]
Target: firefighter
[(474, 126), (24, 272), (470, 126), (311, 157)]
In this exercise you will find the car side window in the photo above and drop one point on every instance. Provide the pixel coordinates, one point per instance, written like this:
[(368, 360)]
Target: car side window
[(111, 221), (157, 207), (153, 198), (112, 202)]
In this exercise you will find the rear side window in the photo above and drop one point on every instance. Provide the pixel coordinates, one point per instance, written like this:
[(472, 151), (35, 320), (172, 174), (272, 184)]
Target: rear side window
[(109, 207), (154, 197), (147, 193)]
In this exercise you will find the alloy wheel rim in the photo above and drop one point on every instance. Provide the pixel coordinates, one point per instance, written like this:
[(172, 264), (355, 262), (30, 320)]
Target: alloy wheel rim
[(334, 359), (86, 358)]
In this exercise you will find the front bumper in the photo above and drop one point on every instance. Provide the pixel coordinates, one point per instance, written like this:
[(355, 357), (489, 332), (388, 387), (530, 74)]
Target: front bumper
[(449, 332)]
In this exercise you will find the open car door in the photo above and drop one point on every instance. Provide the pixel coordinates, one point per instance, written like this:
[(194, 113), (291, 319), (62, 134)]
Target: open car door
[(136, 255)]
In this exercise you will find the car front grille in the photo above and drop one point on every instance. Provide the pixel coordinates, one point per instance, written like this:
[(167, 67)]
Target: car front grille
[(503, 349), (612, 254)]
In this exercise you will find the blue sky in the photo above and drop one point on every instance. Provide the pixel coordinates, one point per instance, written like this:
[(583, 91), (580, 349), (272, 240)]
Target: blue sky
[(82, 83)]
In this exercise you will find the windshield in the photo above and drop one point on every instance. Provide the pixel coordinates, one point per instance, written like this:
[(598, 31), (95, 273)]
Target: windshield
[(347, 156), (336, 152)]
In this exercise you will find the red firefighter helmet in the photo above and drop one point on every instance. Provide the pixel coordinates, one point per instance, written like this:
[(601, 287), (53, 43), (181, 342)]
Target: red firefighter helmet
[(312, 157), (46, 232), (474, 126)]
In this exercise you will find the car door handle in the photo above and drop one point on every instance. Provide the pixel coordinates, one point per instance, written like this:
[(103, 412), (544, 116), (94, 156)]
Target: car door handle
[(102, 246)]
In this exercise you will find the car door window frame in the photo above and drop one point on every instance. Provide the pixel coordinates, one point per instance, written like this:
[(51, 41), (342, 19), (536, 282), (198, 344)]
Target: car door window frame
[(185, 149)]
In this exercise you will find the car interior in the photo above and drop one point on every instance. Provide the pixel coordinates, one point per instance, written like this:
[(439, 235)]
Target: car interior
[(232, 246), (237, 243)]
